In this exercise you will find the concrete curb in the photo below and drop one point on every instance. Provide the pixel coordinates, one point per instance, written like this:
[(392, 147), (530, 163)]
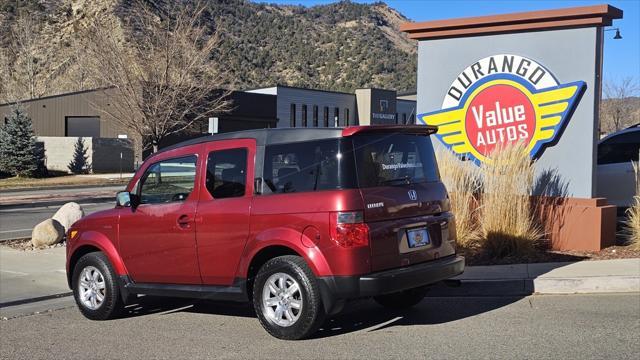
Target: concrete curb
[(585, 277)]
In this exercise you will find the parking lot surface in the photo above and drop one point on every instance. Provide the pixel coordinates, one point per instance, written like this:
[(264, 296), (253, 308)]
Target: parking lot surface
[(551, 326)]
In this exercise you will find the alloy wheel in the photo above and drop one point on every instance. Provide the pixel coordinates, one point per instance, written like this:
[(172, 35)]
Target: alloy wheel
[(282, 299), (91, 288)]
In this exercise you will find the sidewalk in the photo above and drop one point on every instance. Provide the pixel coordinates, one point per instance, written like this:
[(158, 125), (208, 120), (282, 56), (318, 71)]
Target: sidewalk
[(602, 276), (27, 275)]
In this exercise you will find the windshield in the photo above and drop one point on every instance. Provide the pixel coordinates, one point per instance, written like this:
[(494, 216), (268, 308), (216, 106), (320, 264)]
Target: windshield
[(395, 159)]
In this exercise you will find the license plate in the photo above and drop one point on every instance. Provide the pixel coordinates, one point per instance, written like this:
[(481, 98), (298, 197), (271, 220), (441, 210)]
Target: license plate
[(418, 238)]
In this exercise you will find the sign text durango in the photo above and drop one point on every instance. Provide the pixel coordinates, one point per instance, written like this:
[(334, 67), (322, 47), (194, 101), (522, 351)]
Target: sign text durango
[(502, 99)]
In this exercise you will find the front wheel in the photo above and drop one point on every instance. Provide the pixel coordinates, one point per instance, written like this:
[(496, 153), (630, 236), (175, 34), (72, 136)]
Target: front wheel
[(286, 298), (404, 299), (95, 287)]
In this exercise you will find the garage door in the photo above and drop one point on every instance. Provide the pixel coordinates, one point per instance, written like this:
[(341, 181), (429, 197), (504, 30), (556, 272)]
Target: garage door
[(84, 126)]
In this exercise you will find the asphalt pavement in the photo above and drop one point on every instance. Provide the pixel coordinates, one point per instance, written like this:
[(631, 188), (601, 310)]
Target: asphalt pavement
[(18, 223), (533, 327)]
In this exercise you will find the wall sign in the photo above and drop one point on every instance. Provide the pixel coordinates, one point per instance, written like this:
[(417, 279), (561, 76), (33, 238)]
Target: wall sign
[(501, 99)]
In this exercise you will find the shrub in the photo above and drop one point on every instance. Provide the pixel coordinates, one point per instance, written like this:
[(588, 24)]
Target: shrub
[(19, 154), (462, 179), (632, 224), (506, 218), (79, 164)]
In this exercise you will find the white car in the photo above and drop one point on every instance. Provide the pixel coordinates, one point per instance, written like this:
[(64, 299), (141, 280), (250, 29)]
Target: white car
[(615, 174)]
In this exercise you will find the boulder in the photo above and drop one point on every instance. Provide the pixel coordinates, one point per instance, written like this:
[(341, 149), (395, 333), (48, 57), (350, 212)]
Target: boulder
[(48, 232), (68, 214)]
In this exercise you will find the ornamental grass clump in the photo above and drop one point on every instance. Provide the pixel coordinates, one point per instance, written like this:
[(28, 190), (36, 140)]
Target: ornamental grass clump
[(632, 224), (506, 217), (462, 179)]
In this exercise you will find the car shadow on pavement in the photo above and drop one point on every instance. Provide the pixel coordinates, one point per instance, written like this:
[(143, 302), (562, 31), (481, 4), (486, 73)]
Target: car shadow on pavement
[(361, 315), (368, 316), (147, 305)]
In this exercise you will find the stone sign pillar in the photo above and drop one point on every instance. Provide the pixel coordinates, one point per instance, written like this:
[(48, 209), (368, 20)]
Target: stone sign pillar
[(532, 77)]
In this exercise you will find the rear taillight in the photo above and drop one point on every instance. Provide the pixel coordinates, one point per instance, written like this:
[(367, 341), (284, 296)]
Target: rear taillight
[(348, 229)]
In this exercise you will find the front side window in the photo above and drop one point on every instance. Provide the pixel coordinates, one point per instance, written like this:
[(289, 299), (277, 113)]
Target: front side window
[(168, 181), (309, 166), (227, 173)]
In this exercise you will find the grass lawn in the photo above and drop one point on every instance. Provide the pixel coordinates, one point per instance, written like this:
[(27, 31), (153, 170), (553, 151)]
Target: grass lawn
[(15, 183)]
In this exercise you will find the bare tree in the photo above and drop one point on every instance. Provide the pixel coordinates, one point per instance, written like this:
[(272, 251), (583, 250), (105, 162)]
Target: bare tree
[(28, 69), (163, 79), (619, 108)]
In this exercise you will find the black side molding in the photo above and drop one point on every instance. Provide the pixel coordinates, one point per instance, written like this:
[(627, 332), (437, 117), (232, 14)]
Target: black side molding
[(236, 292)]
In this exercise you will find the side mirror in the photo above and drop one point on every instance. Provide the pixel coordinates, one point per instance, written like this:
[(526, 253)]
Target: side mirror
[(123, 199)]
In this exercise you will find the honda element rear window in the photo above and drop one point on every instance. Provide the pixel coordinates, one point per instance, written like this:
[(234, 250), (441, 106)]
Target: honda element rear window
[(383, 159)]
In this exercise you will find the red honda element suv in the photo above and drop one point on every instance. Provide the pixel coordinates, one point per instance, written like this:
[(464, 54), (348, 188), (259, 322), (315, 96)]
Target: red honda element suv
[(297, 221)]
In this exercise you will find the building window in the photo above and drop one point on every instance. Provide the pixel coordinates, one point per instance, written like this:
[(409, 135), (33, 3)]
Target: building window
[(82, 126), (412, 119), (304, 115), (315, 115), (336, 117), (404, 118), (292, 116), (326, 116), (346, 116)]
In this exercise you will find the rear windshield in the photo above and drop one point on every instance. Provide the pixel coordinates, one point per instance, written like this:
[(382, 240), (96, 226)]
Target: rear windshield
[(394, 159)]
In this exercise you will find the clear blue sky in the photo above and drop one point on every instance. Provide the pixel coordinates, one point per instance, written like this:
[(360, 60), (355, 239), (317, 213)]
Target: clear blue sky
[(621, 57)]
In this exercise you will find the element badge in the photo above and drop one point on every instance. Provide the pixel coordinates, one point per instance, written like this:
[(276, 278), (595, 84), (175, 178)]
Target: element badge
[(503, 99)]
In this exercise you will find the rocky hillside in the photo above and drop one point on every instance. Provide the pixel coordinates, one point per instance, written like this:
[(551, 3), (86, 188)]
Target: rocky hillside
[(340, 46)]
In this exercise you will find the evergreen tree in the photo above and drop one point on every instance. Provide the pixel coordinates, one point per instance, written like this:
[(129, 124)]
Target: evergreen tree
[(80, 164), (19, 154)]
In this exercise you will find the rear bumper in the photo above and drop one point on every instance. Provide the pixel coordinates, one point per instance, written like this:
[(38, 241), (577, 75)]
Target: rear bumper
[(335, 288)]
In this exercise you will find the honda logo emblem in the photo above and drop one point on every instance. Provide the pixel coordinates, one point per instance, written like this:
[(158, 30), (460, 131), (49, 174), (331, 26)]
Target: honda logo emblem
[(413, 195)]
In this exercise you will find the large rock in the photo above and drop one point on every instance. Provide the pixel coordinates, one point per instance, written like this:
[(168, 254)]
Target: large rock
[(48, 232), (68, 214)]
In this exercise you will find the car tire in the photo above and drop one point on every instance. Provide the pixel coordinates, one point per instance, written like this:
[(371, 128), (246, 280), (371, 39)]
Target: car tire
[(404, 299), (95, 287), (286, 298)]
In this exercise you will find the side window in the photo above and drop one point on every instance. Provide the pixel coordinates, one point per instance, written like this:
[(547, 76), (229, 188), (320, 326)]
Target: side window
[(308, 166), (168, 181), (622, 148), (227, 173)]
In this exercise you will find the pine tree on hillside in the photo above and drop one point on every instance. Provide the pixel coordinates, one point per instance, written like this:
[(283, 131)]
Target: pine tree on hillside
[(19, 155), (79, 164)]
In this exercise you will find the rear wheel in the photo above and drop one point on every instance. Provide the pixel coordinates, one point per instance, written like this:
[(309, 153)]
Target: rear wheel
[(286, 298), (95, 287), (404, 299)]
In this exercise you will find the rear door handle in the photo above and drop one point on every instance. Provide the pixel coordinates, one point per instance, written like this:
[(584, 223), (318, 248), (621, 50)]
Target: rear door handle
[(184, 221)]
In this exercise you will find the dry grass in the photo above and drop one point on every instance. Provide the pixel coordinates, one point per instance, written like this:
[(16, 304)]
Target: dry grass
[(507, 223), (462, 180), (632, 225), (13, 183)]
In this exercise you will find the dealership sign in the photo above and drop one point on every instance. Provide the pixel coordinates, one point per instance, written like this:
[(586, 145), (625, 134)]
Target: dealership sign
[(504, 99)]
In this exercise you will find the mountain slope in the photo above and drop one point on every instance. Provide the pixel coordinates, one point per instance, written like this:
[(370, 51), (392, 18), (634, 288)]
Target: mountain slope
[(340, 46)]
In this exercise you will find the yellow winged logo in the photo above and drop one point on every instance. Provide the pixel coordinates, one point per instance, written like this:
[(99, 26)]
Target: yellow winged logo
[(504, 109)]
